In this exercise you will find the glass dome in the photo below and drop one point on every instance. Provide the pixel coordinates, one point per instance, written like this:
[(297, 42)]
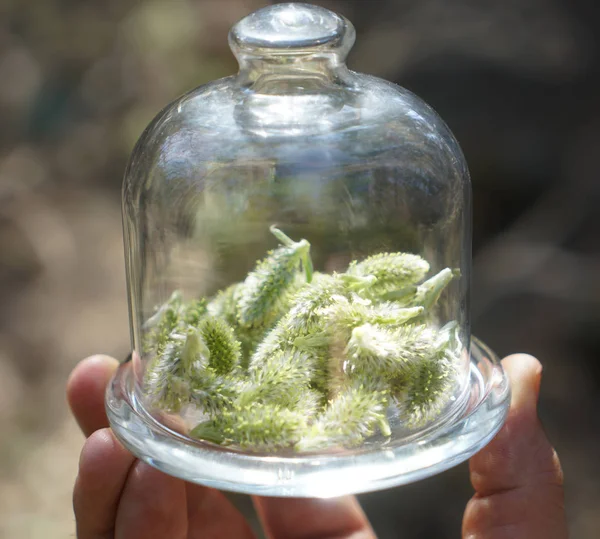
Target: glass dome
[(298, 253)]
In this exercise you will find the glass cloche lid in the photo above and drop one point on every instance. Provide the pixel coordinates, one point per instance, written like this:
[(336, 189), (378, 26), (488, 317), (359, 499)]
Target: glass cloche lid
[(298, 254)]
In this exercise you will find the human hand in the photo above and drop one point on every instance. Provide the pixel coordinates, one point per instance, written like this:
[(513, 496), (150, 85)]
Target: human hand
[(117, 496), (517, 478)]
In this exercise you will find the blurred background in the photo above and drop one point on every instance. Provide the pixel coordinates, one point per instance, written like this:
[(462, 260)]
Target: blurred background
[(517, 81)]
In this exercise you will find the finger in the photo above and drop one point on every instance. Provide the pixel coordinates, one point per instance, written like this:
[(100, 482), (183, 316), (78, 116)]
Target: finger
[(85, 391), (211, 514), (304, 518), (152, 505), (517, 477), (103, 469), (520, 452)]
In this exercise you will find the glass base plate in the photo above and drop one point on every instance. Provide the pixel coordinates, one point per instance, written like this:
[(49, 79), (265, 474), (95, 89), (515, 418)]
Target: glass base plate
[(324, 475)]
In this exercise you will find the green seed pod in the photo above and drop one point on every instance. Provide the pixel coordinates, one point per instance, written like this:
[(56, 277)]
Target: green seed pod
[(290, 295), (287, 359), (303, 317), (212, 393), (263, 427), (424, 391), (393, 271), (194, 355), (160, 325), (173, 304), (299, 319), (223, 305), (165, 378), (308, 402), (381, 352), (193, 312), (349, 418), (267, 426), (304, 323), (251, 337), (258, 297), (176, 394), (342, 316), (273, 342), (282, 379), (427, 391), (224, 348)]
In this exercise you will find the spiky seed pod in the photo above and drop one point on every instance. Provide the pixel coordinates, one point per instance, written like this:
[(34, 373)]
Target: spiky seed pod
[(194, 312), (429, 292), (224, 348), (249, 339), (393, 271), (273, 342), (402, 296), (307, 264), (299, 319), (163, 380), (158, 337), (176, 394), (303, 317), (223, 305), (252, 336), (308, 402), (423, 392), (211, 392), (194, 355), (298, 322), (160, 325), (275, 345), (427, 391), (166, 391), (342, 337), (290, 295), (266, 285), (303, 321), (173, 303), (351, 417), (260, 427), (342, 316), (167, 377), (379, 351), (282, 378), (304, 314)]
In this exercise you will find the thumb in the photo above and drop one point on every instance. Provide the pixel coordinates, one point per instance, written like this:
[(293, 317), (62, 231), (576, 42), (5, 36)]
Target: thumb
[(517, 477)]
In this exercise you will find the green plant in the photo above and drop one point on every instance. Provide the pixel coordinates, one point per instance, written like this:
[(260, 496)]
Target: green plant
[(291, 358)]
